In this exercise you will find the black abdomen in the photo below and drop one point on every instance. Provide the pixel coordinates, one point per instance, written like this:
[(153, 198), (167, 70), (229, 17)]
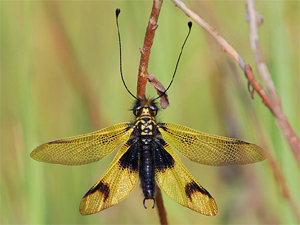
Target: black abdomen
[(147, 170)]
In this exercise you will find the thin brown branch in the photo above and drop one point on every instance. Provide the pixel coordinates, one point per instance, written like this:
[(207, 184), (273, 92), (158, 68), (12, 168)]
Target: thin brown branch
[(160, 207), (275, 102), (143, 77), (145, 50), (273, 105), (257, 86)]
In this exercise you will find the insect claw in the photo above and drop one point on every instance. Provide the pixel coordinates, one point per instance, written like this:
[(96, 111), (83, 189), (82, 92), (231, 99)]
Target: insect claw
[(144, 203), (147, 199), (153, 203)]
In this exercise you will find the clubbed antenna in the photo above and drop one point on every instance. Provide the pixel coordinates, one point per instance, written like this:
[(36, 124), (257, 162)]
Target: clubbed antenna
[(117, 16), (190, 27)]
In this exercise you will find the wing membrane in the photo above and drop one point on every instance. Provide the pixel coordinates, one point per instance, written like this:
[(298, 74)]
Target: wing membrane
[(178, 184), (115, 185), (83, 149), (210, 149)]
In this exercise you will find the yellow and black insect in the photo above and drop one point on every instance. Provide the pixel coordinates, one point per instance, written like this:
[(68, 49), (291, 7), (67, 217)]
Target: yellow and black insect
[(147, 154)]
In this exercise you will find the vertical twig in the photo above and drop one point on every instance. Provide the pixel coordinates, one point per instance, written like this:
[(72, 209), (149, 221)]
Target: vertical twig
[(145, 50), (160, 207), (143, 77)]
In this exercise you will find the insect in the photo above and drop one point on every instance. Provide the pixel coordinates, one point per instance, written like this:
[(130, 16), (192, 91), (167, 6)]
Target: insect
[(146, 153)]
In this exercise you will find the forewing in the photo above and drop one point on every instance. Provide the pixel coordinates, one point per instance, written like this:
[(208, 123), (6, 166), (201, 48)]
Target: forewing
[(210, 149), (174, 179), (116, 184), (83, 149)]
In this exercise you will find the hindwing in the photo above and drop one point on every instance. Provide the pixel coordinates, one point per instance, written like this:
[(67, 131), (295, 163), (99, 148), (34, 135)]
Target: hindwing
[(83, 149), (116, 183), (210, 149), (176, 182)]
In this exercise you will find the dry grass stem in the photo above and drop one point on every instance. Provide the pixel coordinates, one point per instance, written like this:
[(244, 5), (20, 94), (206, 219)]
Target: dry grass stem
[(273, 99), (273, 102)]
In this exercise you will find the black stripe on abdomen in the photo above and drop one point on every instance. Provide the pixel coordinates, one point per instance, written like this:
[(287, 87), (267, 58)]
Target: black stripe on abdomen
[(147, 169)]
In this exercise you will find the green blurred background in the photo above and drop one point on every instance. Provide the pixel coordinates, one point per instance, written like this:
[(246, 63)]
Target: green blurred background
[(60, 77)]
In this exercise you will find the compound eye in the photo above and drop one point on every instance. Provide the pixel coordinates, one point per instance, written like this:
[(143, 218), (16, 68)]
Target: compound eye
[(137, 111), (153, 110)]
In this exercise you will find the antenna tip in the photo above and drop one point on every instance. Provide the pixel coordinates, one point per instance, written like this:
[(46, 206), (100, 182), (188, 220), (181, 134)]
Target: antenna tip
[(190, 24), (118, 12)]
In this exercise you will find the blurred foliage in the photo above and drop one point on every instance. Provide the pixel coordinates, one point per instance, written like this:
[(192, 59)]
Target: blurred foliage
[(55, 56)]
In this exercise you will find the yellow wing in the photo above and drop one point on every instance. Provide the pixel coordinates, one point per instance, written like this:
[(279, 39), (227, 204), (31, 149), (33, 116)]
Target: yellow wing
[(178, 184), (115, 185), (83, 149), (210, 149)]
